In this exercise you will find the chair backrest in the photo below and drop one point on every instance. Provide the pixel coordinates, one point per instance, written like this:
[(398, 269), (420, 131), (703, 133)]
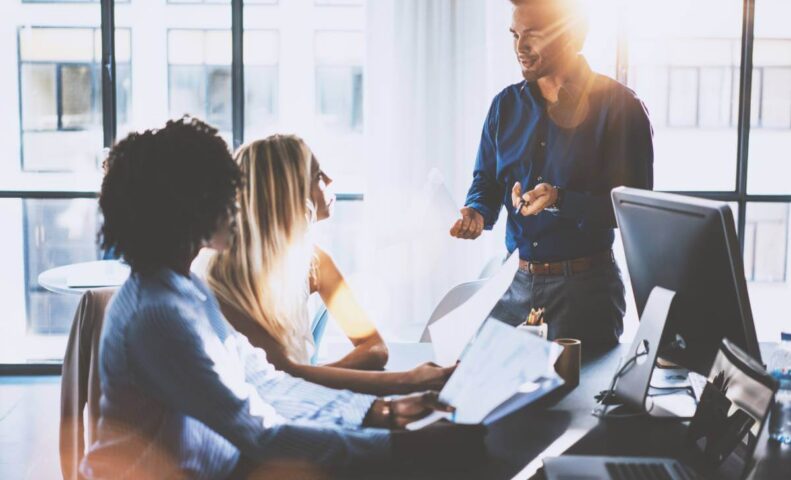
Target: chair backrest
[(80, 387), (492, 265), (317, 327), (455, 297)]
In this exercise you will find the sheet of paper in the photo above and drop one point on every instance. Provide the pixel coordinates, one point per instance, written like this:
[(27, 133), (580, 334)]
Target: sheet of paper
[(451, 333), (497, 364)]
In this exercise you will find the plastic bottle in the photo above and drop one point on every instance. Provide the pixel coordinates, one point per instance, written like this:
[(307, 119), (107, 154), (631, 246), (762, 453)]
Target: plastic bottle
[(780, 368)]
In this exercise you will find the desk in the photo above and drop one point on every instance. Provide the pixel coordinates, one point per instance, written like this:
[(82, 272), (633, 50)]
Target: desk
[(76, 278), (518, 442)]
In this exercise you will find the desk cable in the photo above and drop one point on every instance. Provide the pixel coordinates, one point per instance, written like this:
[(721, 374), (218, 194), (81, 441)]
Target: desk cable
[(601, 409)]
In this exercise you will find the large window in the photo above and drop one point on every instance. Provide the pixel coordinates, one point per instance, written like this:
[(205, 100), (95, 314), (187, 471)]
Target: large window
[(172, 57), (685, 63)]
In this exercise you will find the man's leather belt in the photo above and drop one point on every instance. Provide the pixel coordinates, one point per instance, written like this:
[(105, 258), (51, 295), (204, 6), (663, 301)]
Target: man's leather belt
[(567, 267)]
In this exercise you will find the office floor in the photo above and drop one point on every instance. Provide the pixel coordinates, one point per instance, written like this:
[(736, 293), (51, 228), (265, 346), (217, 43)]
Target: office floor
[(29, 413)]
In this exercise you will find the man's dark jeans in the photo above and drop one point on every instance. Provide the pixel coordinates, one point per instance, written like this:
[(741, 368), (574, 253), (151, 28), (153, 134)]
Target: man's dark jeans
[(588, 306)]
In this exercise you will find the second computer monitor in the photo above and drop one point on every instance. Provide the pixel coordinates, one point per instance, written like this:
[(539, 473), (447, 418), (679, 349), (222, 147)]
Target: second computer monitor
[(688, 245)]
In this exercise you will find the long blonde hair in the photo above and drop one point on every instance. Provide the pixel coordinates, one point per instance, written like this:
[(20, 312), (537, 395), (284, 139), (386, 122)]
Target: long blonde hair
[(264, 274)]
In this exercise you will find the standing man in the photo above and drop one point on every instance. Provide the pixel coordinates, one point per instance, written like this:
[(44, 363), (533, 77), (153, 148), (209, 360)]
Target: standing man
[(552, 148)]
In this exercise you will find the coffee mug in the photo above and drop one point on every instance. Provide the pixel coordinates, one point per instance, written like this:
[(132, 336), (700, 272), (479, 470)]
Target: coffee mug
[(568, 363)]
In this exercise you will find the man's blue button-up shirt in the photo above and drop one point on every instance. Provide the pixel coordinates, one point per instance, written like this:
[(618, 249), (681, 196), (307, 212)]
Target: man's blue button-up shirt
[(520, 142)]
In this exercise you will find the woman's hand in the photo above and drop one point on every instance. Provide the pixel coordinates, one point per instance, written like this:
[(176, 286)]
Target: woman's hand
[(400, 411), (427, 376)]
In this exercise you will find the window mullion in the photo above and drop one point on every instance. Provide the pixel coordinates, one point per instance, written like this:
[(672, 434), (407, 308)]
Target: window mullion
[(237, 71), (108, 72), (745, 92)]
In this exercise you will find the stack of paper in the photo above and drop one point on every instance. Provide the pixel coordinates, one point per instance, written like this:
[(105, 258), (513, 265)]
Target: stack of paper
[(501, 361)]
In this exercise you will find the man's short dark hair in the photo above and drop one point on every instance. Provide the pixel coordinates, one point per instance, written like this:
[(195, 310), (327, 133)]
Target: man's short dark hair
[(165, 192), (572, 13)]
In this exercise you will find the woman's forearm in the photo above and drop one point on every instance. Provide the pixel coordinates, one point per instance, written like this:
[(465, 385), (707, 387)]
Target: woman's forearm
[(369, 354), (374, 383)]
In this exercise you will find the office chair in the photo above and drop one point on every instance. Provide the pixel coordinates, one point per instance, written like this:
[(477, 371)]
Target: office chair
[(80, 389), (455, 297)]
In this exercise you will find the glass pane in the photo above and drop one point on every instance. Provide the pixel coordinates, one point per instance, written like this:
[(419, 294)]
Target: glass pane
[(770, 139), (123, 94), (80, 103), (260, 98), (339, 79), (200, 76), (41, 234), (766, 265), (219, 97), (339, 97), (716, 90), (39, 109), (776, 98), (261, 85), (682, 98), (680, 59), (61, 99), (61, 107)]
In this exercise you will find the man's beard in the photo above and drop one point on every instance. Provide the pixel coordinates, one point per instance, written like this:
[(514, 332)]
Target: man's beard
[(539, 69)]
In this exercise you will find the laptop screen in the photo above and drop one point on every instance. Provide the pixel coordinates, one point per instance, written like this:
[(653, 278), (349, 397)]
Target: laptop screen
[(732, 412)]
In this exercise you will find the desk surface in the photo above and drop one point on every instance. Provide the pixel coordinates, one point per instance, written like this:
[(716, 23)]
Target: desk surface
[(518, 442)]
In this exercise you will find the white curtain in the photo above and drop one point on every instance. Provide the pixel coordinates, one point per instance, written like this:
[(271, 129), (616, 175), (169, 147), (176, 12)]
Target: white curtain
[(432, 68)]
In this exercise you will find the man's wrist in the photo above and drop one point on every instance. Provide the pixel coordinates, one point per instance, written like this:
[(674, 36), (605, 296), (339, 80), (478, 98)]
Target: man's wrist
[(555, 207)]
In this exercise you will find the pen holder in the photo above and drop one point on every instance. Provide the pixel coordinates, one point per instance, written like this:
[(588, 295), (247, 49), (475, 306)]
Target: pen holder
[(567, 365), (539, 330)]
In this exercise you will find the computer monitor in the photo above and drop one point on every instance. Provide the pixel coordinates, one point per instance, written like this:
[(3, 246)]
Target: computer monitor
[(688, 245)]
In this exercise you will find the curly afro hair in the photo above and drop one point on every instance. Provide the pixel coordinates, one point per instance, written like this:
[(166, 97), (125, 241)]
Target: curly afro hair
[(165, 192)]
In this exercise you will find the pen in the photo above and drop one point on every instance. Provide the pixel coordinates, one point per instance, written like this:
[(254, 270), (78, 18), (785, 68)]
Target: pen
[(518, 209)]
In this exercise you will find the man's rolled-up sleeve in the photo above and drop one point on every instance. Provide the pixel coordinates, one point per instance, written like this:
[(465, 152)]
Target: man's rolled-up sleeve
[(486, 193)]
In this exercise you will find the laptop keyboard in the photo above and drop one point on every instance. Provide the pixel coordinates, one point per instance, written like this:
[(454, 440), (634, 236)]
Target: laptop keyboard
[(646, 471)]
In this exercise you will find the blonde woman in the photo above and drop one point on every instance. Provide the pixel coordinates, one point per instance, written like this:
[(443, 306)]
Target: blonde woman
[(264, 279)]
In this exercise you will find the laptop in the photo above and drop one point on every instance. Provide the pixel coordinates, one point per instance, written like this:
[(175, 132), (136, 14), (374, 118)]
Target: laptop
[(581, 467), (750, 391)]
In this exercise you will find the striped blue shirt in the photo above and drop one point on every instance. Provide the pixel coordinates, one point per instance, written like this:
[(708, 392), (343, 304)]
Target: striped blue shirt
[(184, 394)]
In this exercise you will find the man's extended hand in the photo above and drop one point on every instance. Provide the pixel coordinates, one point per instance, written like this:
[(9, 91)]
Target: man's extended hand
[(469, 226), (399, 412), (536, 200)]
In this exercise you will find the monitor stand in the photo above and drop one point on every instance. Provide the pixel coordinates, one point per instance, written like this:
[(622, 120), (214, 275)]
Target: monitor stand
[(632, 386)]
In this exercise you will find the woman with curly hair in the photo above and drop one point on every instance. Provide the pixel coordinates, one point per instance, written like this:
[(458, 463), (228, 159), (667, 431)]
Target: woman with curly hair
[(264, 278), (183, 394)]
